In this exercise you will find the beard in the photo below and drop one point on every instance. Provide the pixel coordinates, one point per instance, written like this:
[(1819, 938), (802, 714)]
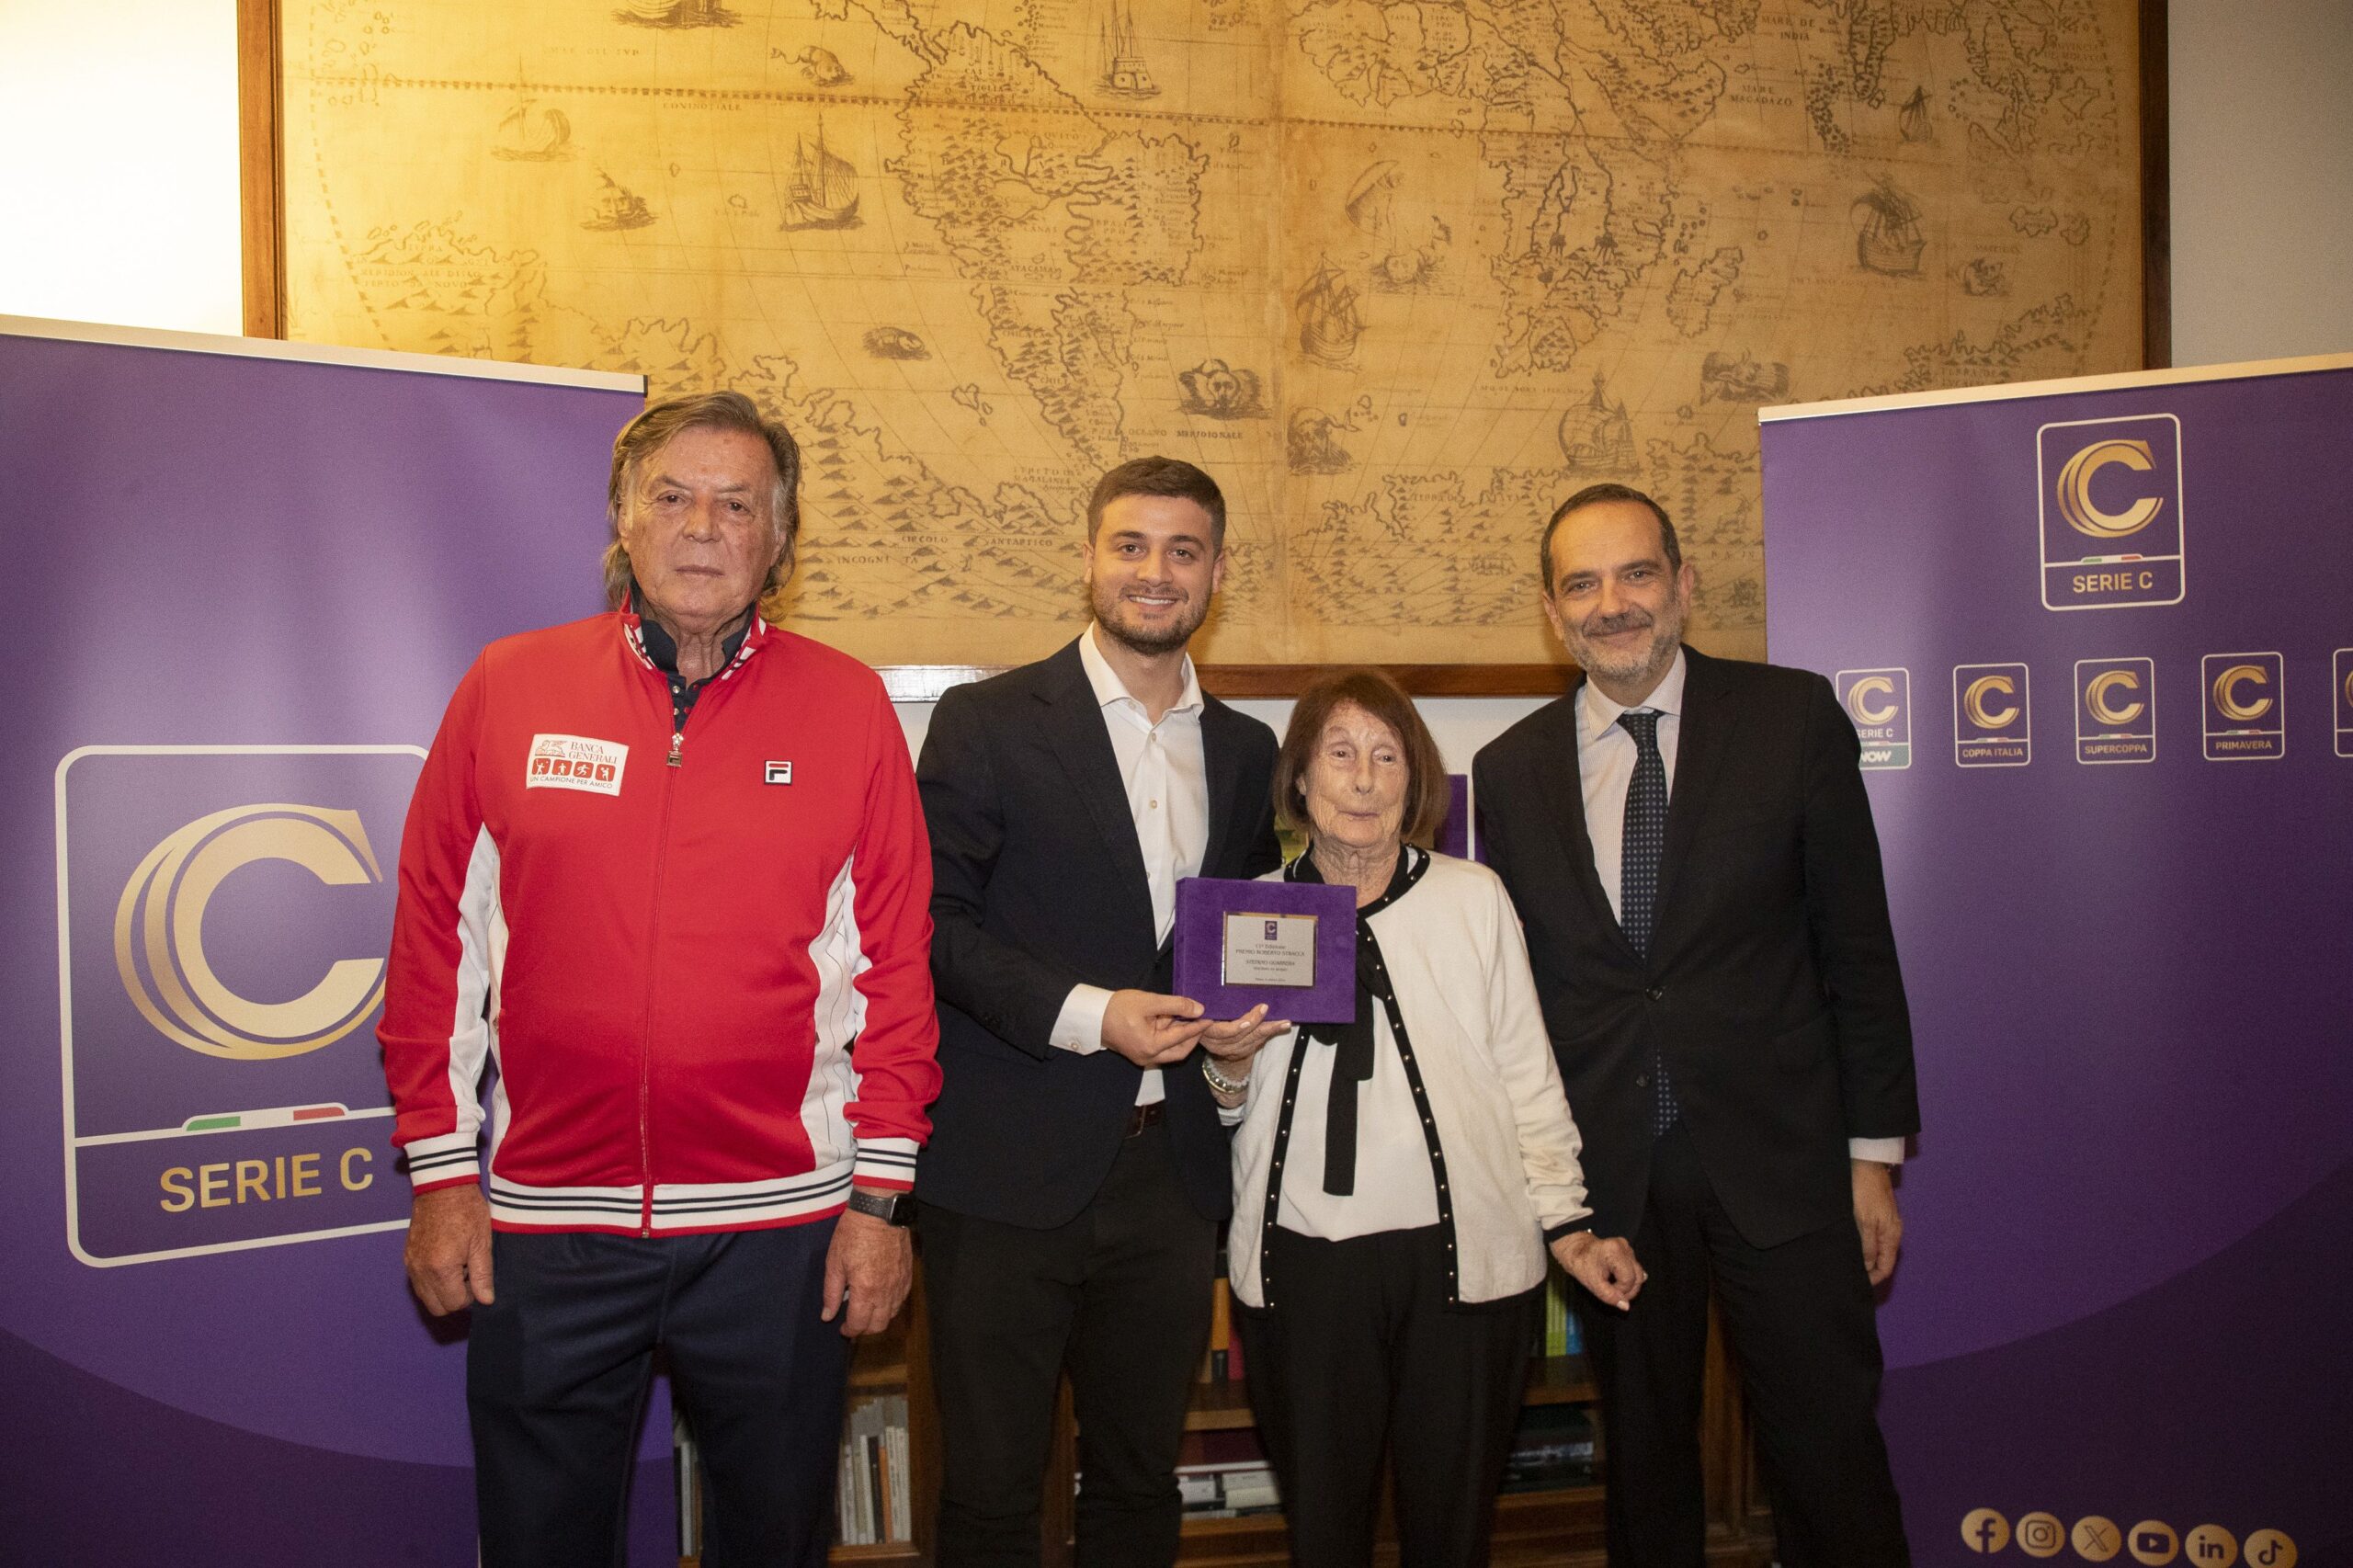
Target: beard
[(1113, 615), (1666, 635)]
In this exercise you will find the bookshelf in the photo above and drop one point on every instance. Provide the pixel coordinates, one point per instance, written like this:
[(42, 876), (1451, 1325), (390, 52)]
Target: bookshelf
[(1555, 1528)]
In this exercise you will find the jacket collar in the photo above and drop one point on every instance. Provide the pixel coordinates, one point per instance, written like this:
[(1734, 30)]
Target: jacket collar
[(658, 652)]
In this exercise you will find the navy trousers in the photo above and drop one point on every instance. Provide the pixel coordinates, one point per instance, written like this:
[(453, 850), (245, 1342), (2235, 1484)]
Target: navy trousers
[(558, 1367)]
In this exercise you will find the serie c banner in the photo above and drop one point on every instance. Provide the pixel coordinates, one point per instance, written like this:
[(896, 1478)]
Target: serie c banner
[(2097, 638), (246, 578)]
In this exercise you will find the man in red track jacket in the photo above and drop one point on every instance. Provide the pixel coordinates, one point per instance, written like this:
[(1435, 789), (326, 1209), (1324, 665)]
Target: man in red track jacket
[(666, 870)]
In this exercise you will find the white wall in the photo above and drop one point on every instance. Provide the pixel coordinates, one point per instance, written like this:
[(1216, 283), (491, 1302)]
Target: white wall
[(118, 162), (2262, 132)]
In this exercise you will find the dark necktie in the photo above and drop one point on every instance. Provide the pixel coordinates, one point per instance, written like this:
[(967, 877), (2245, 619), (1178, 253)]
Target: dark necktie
[(1644, 841)]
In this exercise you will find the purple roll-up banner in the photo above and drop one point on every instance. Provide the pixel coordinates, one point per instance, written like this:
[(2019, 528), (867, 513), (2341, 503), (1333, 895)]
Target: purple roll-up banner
[(2094, 637), (248, 576), (1233, 935)]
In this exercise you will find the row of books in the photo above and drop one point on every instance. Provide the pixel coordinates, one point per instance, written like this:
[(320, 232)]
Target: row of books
[(1559, 1334), (874, 1502), (1554, 1446), (1224, 1361), (1225, 1474)]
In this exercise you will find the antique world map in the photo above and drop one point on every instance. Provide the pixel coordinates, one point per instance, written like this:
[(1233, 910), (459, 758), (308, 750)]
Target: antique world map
[(1400, 274)]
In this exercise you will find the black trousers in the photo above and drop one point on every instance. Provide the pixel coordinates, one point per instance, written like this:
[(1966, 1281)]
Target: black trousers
[(1121, 1298), (558, 1367), (1360, 1353), (1801, 1321)]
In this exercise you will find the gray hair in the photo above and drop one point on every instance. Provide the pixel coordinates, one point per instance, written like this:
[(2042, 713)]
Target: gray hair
[(662, 422)]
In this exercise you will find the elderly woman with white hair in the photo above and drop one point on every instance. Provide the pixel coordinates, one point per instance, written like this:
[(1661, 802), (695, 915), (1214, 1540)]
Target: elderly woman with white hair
[(1399, 1179)]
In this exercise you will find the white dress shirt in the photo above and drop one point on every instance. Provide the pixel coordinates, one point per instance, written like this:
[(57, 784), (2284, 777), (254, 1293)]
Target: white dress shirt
[(1606, 756), (1166, 775)]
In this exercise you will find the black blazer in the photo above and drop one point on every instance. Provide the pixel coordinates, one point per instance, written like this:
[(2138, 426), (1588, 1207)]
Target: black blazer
[(1037, 885), (1771, 988)]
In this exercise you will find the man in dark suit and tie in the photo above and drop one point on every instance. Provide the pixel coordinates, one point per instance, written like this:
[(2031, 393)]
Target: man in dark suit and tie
[(1076, 1178), (1691, 851)]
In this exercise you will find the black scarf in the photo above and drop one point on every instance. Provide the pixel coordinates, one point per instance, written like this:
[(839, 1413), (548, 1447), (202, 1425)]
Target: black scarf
[(1352, 1043)]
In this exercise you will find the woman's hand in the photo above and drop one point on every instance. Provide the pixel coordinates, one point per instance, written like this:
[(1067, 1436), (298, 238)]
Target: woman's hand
[(1603, 1265), (1234, 1041)]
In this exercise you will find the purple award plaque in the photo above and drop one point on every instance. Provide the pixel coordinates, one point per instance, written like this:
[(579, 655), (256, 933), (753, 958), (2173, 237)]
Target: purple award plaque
[(1291, 945)]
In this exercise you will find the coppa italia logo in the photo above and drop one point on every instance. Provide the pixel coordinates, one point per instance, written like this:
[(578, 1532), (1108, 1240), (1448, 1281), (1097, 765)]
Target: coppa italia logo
[(1991, 725), (2095, 1538), (221, 913), (2111, 512), (1879, 703)]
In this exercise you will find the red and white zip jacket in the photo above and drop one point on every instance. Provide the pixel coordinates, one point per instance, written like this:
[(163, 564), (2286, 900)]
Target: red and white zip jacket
[(700, 960)]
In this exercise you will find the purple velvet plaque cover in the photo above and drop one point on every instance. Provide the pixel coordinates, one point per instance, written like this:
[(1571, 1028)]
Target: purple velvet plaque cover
[(1261, 921)]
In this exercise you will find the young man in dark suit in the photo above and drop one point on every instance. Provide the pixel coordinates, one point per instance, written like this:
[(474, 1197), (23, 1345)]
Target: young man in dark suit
[(1076, 1178), (1690, 848)]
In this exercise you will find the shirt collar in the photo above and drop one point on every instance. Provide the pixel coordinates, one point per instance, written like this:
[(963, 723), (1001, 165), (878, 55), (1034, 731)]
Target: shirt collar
[(1597, 711), (661, 649), (1108, 690)]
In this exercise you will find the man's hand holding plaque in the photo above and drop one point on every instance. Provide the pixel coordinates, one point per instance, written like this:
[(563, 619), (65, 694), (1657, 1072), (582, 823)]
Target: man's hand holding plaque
[(1150, 1030)]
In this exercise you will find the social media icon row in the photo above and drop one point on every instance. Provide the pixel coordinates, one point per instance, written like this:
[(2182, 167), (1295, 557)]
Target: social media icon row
[(2098, 1538), (2244, 698)]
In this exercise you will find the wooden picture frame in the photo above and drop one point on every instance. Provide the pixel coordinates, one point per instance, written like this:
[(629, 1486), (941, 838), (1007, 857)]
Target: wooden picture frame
[(262, 135)]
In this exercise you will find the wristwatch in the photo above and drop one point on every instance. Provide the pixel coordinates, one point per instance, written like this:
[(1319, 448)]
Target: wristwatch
[(890, 1208)]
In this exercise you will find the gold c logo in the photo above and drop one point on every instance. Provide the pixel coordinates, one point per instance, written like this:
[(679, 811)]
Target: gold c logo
[(2096, 697), (1859, 694), (2226, 696), (161, 922), (2075, 489), (1974, 701)]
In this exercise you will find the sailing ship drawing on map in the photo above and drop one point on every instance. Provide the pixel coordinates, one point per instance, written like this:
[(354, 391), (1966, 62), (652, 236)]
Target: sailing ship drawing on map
[(1597, 436), (616, 207), (823, 193), (530, 134), (1328, 322), (1124, 73), (1913, 120), (1888, 239)]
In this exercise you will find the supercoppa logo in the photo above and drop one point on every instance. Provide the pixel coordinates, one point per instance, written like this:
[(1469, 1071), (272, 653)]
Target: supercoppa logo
[(2116, 711), (2111, 512)]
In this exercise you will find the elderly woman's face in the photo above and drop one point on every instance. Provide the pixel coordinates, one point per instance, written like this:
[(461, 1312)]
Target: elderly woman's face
[(1355, 783)]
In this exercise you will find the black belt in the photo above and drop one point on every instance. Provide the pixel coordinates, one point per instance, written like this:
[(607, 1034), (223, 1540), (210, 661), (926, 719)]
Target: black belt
[(1143, 1116)]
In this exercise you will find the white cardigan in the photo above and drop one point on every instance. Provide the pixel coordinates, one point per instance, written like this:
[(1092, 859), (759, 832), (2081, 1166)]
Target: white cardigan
[(1456, 956)]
